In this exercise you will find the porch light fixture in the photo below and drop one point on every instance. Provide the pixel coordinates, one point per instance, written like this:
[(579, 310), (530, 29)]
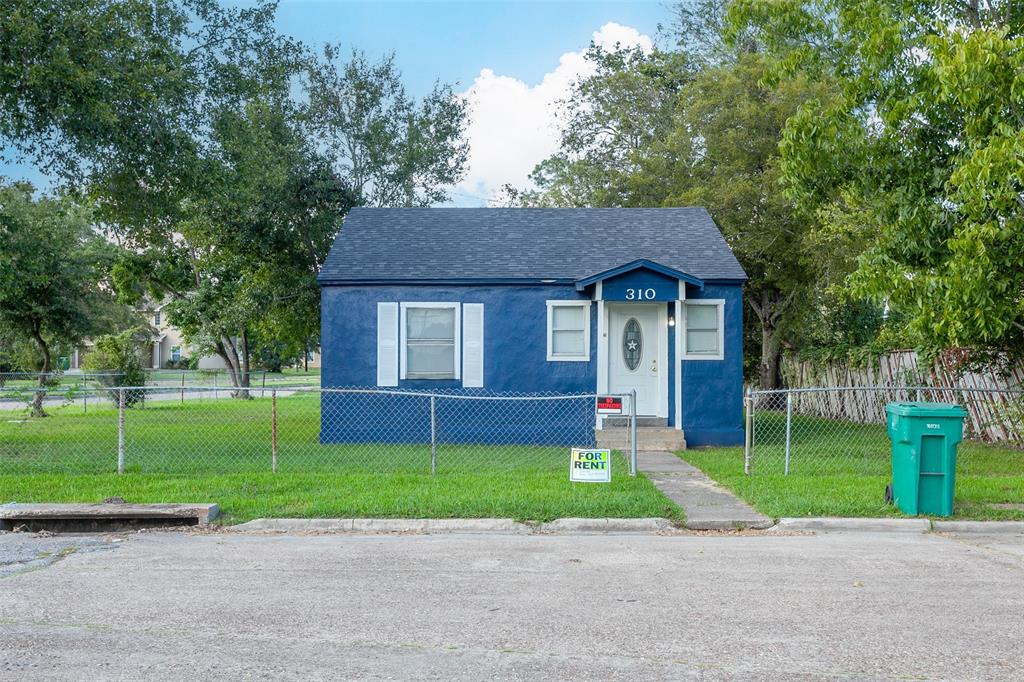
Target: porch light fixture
[(671, 321)]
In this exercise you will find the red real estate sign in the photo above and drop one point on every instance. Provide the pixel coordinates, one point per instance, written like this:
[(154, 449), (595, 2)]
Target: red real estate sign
[(607, 404)]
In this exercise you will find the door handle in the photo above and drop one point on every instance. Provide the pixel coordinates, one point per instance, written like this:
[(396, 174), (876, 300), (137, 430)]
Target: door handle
[(654, 366)]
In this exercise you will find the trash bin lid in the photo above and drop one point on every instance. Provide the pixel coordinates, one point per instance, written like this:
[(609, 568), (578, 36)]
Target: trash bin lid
[(925, 409)]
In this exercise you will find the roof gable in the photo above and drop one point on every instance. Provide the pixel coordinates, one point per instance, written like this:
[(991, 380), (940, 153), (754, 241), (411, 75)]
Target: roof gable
[(641, 264), (524, 244)]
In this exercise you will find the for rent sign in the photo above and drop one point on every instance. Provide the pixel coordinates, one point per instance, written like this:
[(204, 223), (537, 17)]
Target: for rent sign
[(590, 466)]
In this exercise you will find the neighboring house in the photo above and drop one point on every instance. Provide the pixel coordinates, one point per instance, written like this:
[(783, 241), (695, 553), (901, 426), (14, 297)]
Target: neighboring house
[(535, 300), (168, 346)]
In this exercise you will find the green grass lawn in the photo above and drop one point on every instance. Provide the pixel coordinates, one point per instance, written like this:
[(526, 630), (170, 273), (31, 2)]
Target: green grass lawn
[(841, 469), (219, 451)]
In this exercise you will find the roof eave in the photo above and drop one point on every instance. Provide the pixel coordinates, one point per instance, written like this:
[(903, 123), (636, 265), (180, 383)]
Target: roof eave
[(457, 281)]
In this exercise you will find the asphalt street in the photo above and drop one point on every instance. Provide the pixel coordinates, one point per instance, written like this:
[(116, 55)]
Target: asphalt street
[(172, 605)]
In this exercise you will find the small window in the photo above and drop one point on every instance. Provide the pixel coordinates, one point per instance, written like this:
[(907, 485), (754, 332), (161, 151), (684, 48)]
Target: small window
[(429, 340), (175, 353), (703, 335), (569, 331), (156, 319)]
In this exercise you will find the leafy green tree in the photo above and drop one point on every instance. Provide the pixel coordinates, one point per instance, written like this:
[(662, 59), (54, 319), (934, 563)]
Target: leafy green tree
[(53, 266), (723, 154), (390, 149), (115, 89), (709, 136), (918, 159), (612, 119), (242, 257), (117, 361)]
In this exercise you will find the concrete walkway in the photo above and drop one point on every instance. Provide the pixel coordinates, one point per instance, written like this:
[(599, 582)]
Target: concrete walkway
[(708, 506)]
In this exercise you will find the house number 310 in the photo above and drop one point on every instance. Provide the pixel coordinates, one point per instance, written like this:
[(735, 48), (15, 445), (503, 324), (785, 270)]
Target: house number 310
[(641, 294)]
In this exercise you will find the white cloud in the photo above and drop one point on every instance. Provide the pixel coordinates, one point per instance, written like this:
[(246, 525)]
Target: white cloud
[(514, 126)]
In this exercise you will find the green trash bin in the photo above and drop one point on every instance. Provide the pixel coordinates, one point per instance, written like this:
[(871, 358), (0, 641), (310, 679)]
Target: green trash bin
[(924, 439)]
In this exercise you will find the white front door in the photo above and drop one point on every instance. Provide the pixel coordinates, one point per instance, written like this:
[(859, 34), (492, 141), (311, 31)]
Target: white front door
[(634, 355)]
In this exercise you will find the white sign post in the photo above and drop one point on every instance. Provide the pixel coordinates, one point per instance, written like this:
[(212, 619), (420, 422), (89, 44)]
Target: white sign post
[(590, 466)]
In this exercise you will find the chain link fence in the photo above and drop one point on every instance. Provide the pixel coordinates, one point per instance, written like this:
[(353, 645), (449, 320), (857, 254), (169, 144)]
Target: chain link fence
[(211, 430), (182, 379), (838, 431)]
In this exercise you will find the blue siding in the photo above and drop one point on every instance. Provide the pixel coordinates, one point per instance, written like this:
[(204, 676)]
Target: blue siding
[(515, 360), (515, 337), (713, 389)]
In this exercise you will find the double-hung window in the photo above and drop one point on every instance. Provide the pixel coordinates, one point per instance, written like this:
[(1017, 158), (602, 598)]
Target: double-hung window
[(703, 338), (430, 340), (569, 331)]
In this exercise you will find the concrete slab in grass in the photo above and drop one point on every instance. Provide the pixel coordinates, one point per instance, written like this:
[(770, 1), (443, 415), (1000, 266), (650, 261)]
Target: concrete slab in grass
[(103, 515)]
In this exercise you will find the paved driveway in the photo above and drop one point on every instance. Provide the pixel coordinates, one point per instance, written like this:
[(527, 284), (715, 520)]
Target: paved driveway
[(228, 606)]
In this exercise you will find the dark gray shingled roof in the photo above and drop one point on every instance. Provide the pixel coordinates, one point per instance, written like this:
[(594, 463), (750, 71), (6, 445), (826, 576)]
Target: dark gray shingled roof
[(401, 244)]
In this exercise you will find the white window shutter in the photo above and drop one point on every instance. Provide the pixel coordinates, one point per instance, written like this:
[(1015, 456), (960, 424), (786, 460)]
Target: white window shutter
[(473, 345), (387, 344)]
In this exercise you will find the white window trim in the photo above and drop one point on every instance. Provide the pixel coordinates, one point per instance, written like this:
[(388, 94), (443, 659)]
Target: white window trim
[(720, 304), (403, 330), (585, 356)]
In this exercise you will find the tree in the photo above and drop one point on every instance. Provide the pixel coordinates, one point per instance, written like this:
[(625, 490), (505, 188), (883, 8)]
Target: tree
[(723, 154), (52, 273), (611, 120), (117, 360), (390, 149), (919, 159), (178, 119), (239, 261), (115, 89), (708, 137)]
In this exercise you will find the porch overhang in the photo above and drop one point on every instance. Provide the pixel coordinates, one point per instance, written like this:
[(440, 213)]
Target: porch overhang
[(641, 264)]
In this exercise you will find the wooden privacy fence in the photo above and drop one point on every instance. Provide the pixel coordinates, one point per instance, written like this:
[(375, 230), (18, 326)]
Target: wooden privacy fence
[(994, 400)]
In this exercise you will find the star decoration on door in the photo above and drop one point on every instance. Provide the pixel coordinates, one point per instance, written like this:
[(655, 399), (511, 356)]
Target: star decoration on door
[(632, 344)]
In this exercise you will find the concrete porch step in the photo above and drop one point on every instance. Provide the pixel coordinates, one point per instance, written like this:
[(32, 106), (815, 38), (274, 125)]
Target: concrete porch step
[(647, 438)]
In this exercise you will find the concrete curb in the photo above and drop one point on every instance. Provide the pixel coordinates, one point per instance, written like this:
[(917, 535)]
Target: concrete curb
[(579, 526), (371, 526), (978, 526), (570, 526), (586, 526), (841, 525), (886, 525), (729, 524)]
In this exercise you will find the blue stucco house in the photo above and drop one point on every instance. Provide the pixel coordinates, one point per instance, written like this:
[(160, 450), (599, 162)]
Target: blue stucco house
[(537, 300)]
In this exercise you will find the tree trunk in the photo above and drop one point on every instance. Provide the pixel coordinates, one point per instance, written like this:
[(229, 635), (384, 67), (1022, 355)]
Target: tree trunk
[(771, 357), (40, 393), (236, 356), (243, 353), (768, 308)]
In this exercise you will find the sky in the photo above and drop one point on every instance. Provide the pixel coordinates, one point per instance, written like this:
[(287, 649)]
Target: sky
[(513, 61)]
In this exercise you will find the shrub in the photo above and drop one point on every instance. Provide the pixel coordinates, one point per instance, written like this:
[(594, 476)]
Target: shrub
[(117, 359)]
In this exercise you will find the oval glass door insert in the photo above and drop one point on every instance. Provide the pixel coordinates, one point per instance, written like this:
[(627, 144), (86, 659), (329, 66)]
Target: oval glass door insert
[(632, 344)]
